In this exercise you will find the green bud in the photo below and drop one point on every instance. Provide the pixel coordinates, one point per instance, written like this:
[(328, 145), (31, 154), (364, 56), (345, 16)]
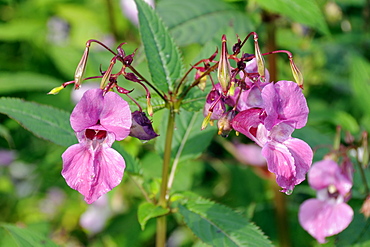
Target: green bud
[(81, 68), (224, 68)]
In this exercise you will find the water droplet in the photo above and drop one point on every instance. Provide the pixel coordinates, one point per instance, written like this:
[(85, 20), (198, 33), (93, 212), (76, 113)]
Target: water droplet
[(288, 192)]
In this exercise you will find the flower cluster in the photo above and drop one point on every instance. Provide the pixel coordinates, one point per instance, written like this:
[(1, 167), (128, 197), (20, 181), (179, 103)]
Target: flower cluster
[(328, 214), (266, 112)]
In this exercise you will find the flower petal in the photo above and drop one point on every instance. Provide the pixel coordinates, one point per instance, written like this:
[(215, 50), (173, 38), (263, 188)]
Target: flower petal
[(116, 116), (87, 112), (281, 162), (322, 219), (327, 172), (92, 172), (284, 101), (246, 122), (302, 154)]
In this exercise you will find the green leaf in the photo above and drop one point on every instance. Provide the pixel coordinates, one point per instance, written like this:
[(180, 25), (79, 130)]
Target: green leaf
[(22, 237), (218, 225), (4, 132), (26, 81), (198, 21), (359, 78), (133, 166), (347, 121), (147, 211), (189, 140), (162, 54), (15, 29), (302, 11), (44, 121)]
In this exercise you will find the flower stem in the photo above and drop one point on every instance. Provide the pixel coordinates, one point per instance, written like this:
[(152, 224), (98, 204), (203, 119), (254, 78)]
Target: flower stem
[(163, 196), (281, 215)]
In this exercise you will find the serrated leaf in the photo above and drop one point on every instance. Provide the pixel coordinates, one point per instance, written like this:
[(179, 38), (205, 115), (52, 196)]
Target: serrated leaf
[(301, 11), (218, 225), (198, 21), (26, 81), (147, 211), (163, 56), (22, 237), (44, 121), (189, 140)]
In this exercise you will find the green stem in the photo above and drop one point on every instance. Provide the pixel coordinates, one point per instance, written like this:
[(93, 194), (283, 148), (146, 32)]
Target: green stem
[(281, 215), (163, 196)]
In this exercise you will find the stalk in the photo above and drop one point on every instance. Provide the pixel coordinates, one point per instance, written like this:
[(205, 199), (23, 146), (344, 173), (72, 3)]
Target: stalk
[(163, 196), (280, 202)]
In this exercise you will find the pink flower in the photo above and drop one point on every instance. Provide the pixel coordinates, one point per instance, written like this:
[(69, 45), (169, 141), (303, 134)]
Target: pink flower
[(92, 167), (282, 108), (287, 157), (328, 214), (284, 101)]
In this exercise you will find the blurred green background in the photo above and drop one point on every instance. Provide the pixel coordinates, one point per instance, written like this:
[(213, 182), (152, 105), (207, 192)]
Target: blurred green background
[(41, 43)]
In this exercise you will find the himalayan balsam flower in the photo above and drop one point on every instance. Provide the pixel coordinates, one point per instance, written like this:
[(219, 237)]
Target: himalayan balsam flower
[(283, 108), (92, 167), (328, 214)]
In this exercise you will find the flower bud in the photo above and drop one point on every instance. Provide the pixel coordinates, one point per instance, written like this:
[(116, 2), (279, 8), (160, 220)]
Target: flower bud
[(149, 106), (141, 127), (81, 67), (224, 68), (206, 121), (365, 209), (296, 74), (260, 61), (107, 74), (56, 90), (203, 80), (365, 154), (224, 123), (214, 105)]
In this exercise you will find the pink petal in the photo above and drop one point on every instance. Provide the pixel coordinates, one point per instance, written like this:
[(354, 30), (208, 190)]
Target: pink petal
[(327, 172), (281, 162), (281, 132), (95, 110), (250, 98), (251, 67), (92, 172), (116, 116), (249, 154), (284, 101), (302, 154), (322, 219), (246, 122), (87, 112)]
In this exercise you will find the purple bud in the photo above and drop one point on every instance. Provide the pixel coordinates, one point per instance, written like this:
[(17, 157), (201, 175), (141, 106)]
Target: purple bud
[(215, 105), (141, 127), (131, 77)]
